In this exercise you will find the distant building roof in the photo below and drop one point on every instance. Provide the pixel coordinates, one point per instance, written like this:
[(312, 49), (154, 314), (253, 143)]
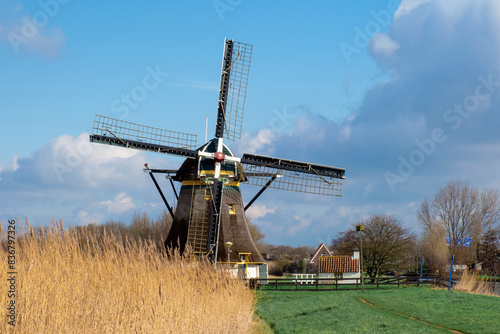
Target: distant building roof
[(338, 264), (322, 248)]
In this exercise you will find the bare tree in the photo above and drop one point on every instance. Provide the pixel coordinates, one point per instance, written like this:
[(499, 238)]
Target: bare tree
[(140, 228), (288, 259), (488, 214), (433, 247), (257, 236), (463, 212), (386, 243), (488, 252)]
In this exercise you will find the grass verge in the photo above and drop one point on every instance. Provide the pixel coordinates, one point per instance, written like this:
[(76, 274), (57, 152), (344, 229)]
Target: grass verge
[(390, 312)]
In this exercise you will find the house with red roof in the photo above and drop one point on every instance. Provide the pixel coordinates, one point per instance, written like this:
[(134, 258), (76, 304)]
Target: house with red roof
[(339, 267)]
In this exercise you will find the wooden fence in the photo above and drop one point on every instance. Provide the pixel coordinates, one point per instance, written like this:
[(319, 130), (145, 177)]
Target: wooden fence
[(325, 284)]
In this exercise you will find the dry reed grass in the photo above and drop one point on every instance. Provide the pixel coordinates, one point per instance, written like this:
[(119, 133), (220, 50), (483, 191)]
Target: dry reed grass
[(70, 282), (471, 284)]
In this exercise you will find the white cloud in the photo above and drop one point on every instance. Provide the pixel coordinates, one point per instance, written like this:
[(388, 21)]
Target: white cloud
[(406, 7), (447, 60), (345, 133), (120, 204), (32, 30), (455, 10), (344, 211), (310, 130), (383, 44), (85, 218), (81, 181), (40, 41), (78, 160), (257, 211), (14, 165), (302, 226), (370, 187), (256, 143)]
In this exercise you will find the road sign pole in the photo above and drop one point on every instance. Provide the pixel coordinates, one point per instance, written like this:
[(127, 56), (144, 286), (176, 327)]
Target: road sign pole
[(451, 272), (361, 228)]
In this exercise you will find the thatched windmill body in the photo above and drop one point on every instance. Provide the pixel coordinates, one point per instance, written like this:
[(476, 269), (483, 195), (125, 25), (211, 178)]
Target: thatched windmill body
[(210, 210)]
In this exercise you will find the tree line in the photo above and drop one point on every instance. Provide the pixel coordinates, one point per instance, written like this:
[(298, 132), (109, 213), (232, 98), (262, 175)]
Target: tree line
[(142, 228), (459, 219)]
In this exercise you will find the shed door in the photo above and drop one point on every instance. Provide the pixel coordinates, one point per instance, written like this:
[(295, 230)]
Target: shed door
[(242, 271), (263, 273)]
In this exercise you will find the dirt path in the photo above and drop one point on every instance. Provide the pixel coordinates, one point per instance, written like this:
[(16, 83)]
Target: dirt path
[(412, 318)]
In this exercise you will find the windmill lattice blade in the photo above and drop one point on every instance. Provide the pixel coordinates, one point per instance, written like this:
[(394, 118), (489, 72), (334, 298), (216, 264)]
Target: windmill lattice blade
[(294, 175), (113, 131), (232, 101)]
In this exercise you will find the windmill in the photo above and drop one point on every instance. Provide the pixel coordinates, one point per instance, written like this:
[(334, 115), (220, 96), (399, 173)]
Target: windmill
[(210, 210)]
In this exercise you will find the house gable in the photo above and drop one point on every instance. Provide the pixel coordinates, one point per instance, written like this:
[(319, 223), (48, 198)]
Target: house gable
[(322, 250)]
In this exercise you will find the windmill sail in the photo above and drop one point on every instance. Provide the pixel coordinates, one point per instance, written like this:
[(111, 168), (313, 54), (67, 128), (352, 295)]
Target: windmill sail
[(113, 131), (233, 88), (294, 175)]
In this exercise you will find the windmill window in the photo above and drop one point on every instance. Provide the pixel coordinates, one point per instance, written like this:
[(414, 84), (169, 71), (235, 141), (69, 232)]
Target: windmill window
[(232, 210), (338, 275), (244, 257), (323, 254)]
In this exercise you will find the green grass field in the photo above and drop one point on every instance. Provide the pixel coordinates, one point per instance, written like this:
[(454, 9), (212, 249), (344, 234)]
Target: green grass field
[(404, 310)]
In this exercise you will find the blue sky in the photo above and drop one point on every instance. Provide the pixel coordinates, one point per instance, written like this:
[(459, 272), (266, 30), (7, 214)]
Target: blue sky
[(402, 94)]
